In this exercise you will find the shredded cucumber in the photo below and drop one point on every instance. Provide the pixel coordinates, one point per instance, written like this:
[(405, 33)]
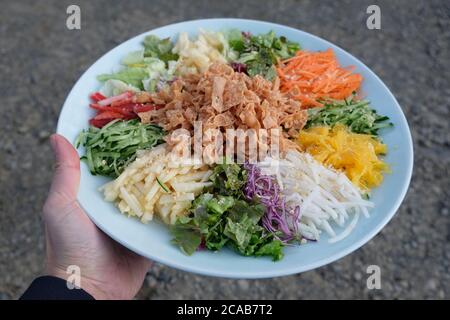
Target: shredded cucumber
[(110, 149), (357, 115)]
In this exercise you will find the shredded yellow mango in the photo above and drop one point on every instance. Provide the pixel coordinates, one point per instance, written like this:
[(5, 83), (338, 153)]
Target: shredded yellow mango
[(355, 154)]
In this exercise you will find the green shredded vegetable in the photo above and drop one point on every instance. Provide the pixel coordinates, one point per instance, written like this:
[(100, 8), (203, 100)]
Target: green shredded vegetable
[(356, 115), (162, 185), (144, 69), (222, 217), (261, 52), (110, 149), (159, 48)]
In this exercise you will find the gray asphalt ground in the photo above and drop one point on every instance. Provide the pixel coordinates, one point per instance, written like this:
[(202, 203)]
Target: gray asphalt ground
[(41, 60)]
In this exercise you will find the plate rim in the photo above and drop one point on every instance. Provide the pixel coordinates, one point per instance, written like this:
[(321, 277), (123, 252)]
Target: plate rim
[(274, 272)]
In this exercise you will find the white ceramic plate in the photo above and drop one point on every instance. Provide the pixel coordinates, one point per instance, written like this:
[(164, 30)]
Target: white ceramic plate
[(153, 240)]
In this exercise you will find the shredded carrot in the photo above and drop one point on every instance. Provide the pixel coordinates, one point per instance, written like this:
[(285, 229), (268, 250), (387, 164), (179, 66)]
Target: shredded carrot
[(313, 76)]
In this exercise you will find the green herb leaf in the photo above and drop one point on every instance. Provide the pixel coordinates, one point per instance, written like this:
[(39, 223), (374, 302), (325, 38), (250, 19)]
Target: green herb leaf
[(261, 52), (220, 204), (229, 179), (186, 236), (162, 185), (273, 248)]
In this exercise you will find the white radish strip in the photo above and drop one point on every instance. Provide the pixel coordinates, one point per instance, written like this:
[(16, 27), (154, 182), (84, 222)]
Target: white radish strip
[(347, 231), (131, 201), (326, 197)]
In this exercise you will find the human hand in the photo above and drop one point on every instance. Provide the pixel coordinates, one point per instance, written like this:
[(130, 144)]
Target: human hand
[(108, 270)]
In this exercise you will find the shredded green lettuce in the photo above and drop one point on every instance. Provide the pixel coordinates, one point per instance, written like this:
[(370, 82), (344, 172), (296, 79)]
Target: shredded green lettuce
[(159, 48), (146, 68), (132, 76), (114, 87)]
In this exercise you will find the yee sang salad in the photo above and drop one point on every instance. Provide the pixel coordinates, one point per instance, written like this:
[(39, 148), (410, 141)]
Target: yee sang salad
[(330, 151)]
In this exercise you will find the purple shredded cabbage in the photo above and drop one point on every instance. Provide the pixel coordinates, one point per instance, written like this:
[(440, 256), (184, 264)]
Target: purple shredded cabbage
[(202, 245), (246, 34), (161, 84), (172, 80), (239, 67), (279, 217)]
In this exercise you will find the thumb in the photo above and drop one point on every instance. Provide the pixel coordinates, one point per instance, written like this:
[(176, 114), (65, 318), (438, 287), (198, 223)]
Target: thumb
[(66, 178)]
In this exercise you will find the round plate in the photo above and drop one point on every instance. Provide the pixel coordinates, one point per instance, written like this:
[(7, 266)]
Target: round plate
[(153, 240)]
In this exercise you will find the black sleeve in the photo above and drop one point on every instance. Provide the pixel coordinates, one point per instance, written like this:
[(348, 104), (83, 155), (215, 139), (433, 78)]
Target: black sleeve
[(53, 288)]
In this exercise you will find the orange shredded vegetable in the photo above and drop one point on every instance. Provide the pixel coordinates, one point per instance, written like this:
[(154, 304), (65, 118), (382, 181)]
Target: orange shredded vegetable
[(312, 76), (357, 155)]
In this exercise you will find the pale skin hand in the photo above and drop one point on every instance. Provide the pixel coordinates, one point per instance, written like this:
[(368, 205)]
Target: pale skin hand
[(108, 270)]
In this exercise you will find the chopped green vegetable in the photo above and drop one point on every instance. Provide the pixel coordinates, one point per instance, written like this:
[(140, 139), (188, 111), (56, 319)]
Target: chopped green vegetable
[(223, 217), (271, 248), (186, 236), (115, 87), (242, 223), (162, 185), (235, 39), (229, 179), (260, 53), (220, 204), (159, 48), (145, 68), (357, 115), (249, 237), (133, 58), (111, 148), (132, 76)]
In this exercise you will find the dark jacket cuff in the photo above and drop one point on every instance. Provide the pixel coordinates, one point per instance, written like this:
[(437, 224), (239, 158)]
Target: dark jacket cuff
[(53, 288)]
